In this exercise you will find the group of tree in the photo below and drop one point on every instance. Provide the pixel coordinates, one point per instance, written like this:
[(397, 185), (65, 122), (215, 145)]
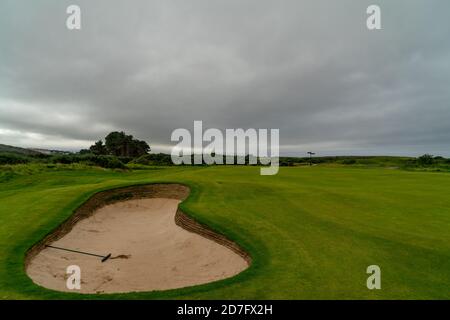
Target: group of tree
[(426, 160), (121, 145)]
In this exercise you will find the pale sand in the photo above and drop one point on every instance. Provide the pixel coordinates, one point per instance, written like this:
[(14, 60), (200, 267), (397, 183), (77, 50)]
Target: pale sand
[(161, 255)]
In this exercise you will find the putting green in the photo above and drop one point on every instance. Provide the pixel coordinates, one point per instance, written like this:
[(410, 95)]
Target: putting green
[(311, 232)]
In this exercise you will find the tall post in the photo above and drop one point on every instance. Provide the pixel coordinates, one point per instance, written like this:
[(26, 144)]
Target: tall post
[(310, 157)]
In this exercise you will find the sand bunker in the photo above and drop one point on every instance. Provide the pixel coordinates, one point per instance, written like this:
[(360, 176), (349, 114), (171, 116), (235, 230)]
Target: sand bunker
[(149, 250)]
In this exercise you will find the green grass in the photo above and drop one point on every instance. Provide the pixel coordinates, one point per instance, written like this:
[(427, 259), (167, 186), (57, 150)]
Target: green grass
[(312, 231)]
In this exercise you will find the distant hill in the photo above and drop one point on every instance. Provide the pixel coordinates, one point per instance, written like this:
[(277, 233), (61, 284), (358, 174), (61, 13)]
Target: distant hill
[(18, 150), (29, 152)]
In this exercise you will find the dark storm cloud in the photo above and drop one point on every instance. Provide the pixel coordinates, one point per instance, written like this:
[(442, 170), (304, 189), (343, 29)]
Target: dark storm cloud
[(309, 68)]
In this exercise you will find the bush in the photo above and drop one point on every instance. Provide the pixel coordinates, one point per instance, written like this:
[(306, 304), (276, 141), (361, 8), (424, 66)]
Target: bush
[(348, 161), (125, 159), (153, 159), (425, 160), (11, 158), (64, 159), (110, 162)]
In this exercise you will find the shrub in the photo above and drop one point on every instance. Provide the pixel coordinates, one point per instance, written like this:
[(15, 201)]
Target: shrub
[(348, 161), (425, 160), (153, 159), (11, 158), (110, 162)]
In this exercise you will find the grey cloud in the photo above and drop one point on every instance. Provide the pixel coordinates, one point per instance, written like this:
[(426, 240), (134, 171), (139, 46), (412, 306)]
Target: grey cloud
[(309, 68)]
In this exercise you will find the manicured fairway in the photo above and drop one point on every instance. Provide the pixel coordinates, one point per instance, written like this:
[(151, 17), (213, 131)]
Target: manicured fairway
[(312, 232)]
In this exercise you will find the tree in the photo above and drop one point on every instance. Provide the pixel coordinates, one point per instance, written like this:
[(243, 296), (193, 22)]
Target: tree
[(116, 143), (425, 160), (138, 148), (123, 145), (98, 148)]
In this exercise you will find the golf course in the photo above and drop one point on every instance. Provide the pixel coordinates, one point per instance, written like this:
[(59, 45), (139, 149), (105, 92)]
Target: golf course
[(311, 231)]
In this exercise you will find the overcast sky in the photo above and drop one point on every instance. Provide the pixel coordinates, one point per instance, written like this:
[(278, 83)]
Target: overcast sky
[(309, 68)]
